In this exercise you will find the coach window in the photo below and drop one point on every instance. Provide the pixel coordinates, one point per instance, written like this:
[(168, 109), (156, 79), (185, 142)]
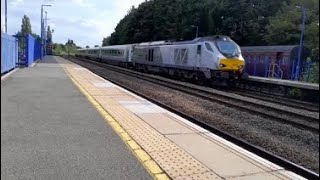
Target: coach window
[(199, 49), (209, 47)]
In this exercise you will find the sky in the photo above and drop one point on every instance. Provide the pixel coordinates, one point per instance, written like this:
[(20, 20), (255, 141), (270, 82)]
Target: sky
[(86, 22)]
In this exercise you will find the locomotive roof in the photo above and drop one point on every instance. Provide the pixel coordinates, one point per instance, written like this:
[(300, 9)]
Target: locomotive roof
[(89, 49), (170, 42)]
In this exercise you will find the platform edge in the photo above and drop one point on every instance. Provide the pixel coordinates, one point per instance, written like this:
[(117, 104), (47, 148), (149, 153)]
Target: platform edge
[(149, 164)]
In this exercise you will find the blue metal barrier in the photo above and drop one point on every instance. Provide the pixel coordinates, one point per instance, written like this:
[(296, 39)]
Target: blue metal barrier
[(293, 70), (9, 52), (32, 50), (266, 66), (255, 66)]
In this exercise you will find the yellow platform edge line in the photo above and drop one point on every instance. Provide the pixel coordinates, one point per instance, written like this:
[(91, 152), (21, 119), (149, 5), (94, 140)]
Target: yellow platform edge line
[(148, 163)]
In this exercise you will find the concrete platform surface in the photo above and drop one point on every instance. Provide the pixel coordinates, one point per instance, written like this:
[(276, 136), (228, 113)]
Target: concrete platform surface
[(181, 149), (49, 130), (282, 82)]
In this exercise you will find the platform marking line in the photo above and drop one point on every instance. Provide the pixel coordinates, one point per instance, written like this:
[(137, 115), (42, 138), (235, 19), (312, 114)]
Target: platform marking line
[(148, 163)]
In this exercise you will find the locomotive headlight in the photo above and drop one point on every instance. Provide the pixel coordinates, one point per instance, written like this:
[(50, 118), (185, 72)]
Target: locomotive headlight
[(240, 67), (222, 65)]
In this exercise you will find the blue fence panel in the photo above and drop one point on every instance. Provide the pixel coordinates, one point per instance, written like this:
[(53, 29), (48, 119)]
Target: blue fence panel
[(9, 52), (293, 70), (266, 65), (30, 41), (36, 50), (255, 66), (32, 50)]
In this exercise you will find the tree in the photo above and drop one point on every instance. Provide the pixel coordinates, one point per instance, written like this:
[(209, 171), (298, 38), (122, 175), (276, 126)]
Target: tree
[(106, 41), (87, 47), (49, 35), (285, 27), (36, 36), (96, 46), (24, 31), (248, 22), (25, 26)]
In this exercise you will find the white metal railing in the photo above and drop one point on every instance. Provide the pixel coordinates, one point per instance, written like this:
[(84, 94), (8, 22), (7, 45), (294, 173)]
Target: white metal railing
[(275, 71)]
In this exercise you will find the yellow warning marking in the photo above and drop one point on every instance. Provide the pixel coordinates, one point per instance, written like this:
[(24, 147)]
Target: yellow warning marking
[(133, 145), (154, 168), (151, 166), (162, 177), (142, 155), (125, 136), (117, 127)]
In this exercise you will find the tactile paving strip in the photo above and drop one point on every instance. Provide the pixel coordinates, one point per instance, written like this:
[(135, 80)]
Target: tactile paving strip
[(200, 176), (177, 162)]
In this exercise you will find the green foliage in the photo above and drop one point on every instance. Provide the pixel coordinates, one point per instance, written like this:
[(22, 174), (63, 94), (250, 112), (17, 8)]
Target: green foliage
[(295, 93), (285, 26), (106, 41), (248, 22), (25, 30), (314, 74), (69, 48), (254, 22), (49, 35), (26, 26), (243, 20)]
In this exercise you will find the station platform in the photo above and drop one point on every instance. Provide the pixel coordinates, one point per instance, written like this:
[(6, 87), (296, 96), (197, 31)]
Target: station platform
[(295, 84), (61, 120)]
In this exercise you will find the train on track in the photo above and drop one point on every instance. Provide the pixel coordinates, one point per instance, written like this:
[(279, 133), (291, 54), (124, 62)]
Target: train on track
[(214, 59)]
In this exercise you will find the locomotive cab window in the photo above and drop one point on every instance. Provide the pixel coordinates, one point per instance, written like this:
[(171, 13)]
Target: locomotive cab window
[(151, 55), (199, 49), (208, 46)]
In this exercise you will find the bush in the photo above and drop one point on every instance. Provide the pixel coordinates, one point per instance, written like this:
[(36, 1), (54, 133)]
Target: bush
[(314, 74)]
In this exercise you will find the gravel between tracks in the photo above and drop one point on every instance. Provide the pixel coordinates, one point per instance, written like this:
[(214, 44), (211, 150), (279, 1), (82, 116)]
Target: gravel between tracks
[(299, 146), (249, 99)]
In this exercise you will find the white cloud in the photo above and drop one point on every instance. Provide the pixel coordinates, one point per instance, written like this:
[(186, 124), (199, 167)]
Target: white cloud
[(52, 25), (83, 3), (16, 3), (84, 21)]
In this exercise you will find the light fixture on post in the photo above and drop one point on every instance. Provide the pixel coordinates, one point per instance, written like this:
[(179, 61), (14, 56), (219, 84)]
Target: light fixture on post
[(301, 41), (197, 33), (41, 31)]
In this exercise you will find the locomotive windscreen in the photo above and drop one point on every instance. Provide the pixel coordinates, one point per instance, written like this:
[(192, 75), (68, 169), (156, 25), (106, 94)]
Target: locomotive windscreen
[(228, 48)]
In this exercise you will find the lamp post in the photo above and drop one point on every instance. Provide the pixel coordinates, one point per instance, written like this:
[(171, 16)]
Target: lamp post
[(301, 41), (197, 34), (6, 15), (45, 34), (41, 55)]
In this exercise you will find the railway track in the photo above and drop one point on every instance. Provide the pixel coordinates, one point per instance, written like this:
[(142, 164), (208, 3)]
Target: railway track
[(295, 117), (257, 150), (279, 100)]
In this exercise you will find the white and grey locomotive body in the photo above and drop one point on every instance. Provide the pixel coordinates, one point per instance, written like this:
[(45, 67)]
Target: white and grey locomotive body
[(208, 58), (213, 58)]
